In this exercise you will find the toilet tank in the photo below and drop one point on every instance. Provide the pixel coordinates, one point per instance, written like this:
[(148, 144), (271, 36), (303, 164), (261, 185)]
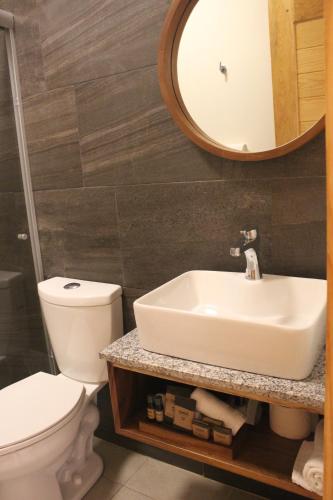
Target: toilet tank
[(82, 317)]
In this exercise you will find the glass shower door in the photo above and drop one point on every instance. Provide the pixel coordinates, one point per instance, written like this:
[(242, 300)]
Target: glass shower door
[(22, 342)]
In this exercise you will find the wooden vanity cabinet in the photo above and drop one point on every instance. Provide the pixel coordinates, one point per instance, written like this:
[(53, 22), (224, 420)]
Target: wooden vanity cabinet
[(263, 456)]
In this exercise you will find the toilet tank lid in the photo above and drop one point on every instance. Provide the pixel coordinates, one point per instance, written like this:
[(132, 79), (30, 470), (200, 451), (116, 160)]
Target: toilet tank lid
[(72, 292)]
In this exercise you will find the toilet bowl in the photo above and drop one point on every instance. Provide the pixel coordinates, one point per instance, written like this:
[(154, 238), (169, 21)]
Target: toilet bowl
[(48, 421)]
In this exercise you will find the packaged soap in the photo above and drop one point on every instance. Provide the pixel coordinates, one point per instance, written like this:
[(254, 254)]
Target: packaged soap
[(222, 435), (213, 421), (171, 393), (201, 429), (184, 411)]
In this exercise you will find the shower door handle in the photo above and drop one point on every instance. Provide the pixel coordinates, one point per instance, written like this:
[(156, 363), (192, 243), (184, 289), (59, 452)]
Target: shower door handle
[(22, 236)]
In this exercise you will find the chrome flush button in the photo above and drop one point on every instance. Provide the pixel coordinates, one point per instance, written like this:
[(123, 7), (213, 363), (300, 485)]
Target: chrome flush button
[(71, 286)]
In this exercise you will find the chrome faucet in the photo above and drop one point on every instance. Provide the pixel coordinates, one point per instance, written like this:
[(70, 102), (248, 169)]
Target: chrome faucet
[(249, 246)]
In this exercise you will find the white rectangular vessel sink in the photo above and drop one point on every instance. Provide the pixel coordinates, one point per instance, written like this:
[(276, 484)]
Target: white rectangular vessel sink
[(274, 326)]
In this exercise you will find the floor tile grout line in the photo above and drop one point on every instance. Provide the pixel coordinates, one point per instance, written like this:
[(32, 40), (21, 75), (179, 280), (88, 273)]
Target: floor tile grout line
[(140, 492), (137, 470)]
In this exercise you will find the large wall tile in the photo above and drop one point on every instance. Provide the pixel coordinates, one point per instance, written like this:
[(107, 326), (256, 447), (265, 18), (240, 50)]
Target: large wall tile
[(5, 92), (52, 136), (92, 249), (79, 234), (300, 249), (167, 229), (10, 175), (83, 40), (51, 208), (128, 137), (307, 161), (28, 45), (8, 140), (198, 211), (129, 296), (299, 201)]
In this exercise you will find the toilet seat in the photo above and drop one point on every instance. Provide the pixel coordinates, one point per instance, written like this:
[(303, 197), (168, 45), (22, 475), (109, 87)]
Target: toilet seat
[(36, 407)]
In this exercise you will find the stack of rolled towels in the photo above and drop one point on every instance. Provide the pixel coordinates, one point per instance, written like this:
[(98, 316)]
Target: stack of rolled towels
[(309, 465)]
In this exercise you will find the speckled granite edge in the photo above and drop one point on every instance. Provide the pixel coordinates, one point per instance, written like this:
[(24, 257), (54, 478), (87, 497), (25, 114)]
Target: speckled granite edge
[(309, 393)]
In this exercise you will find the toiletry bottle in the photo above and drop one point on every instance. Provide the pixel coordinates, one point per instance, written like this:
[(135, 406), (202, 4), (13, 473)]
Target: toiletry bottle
[(159, 410), (150, 407)]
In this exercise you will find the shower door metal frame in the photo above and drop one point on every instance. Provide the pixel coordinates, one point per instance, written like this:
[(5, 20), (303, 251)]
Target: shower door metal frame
[(7, 23)]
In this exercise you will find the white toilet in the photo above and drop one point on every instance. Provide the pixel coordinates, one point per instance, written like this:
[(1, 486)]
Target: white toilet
[(47, 422)]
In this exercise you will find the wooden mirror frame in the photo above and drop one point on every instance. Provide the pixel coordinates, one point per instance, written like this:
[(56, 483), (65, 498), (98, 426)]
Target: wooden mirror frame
[(174, 24)]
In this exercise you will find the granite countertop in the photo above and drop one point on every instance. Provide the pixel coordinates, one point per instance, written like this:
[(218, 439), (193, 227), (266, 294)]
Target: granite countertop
[(308, 393)]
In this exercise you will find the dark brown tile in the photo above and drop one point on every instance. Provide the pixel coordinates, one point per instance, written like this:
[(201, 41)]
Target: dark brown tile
[(183, 212), (128, 137), (5, 92), (308, 161), (51, 211), (8, 140), (79, 233), (299, 249), (52, 137), (152, 265), (28, 45), (168, 229), (82, 40), (129, 296), (299, 201), (7, 210), (10, 175), (92, 248)]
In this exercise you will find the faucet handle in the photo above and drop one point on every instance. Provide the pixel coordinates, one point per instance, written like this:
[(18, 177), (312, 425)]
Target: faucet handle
[(250, 235)]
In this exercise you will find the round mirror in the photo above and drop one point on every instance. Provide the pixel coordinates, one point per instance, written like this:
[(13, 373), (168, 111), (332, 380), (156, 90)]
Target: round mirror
[(245, 79)]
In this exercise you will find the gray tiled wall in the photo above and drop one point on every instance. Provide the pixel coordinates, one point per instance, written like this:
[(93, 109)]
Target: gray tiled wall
[(121, 195)]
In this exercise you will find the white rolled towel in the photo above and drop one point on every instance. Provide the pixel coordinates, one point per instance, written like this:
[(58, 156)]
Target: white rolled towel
[(212, 407), (314, 468), (309, 465)]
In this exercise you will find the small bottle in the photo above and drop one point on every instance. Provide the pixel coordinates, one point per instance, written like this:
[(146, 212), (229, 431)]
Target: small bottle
[(159, 410), (150, 407)]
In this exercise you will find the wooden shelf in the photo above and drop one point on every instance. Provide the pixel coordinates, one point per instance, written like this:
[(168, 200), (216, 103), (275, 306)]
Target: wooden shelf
[(263, 456)]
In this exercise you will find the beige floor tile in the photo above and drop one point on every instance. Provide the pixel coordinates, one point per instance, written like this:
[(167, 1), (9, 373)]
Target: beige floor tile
[(119, 464), (104, 489), (128, 494), (162, 481)]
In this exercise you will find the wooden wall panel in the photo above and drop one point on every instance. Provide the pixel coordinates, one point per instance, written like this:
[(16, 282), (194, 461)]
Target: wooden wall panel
[(304, 126), (308, 9), (312, 108), (310, 43), (310, 33), (311, 59), (284, 70), (311, 84), (328, 495)]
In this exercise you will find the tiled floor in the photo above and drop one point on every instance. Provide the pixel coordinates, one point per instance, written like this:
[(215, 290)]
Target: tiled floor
[(131, 476)]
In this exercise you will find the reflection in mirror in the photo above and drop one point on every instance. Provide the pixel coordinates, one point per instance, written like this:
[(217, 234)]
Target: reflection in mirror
[(251, 73)]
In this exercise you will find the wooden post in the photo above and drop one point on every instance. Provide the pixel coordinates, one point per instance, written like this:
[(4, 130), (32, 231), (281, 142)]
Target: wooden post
[(328, 495)]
